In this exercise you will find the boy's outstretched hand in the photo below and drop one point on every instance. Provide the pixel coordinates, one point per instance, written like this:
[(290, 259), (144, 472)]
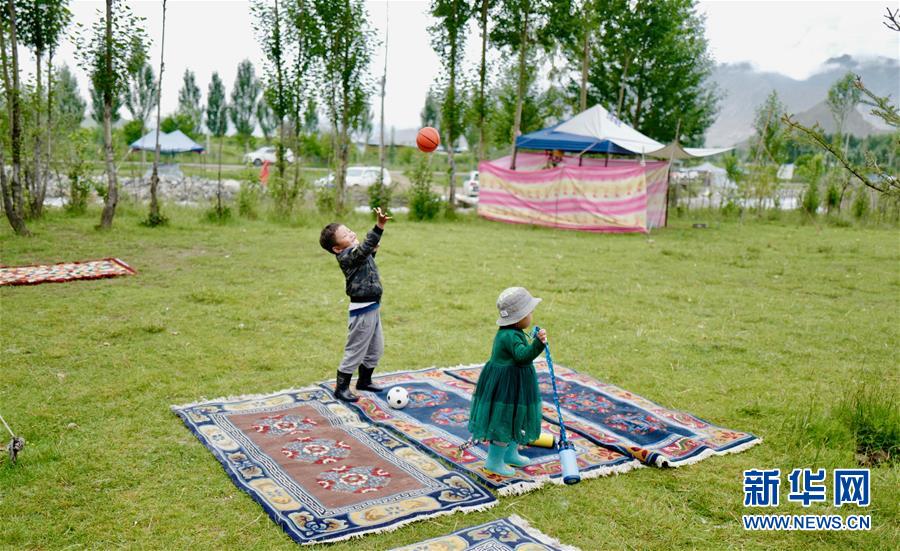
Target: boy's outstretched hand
[(382, 217), (542, 336)]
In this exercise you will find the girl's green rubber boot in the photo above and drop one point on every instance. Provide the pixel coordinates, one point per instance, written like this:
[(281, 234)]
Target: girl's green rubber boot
[(495, 462), (513, 457)]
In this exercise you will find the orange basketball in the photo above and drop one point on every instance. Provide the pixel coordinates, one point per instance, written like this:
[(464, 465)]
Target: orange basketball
[(428, 139)]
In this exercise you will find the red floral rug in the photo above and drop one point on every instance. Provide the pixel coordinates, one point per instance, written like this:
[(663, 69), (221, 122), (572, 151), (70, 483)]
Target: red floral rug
[(64, 271)]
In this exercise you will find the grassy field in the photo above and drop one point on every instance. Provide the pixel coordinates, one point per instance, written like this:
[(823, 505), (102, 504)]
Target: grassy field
[(763, 327)]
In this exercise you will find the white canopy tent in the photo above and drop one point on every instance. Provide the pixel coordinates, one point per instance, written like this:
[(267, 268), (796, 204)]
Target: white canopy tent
[(600, 124)]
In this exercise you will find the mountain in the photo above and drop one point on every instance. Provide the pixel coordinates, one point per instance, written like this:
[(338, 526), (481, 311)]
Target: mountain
[(855, 124), (745, 89)]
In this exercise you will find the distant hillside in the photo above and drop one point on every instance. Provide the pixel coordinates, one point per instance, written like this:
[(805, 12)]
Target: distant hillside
[(855, 124), (745, 89)]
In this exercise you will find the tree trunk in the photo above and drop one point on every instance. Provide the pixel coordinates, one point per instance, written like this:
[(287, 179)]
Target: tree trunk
[(383, 86), (49, 149), (35, 199), (523, 45), (453, 120), (155, 217), (279, 78), (13, 201), (585, 56), (482, 77), (622, 87), (112, 193), (219, 185)]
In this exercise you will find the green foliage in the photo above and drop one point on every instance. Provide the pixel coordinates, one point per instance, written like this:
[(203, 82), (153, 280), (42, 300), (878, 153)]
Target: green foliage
[(217, 214), (68, 101), (769, 143), (424, 204), (216, 110), (132, 131), (155, 219), (860, 205), (189, 103), (380, 195), (73, 152), (284, 193), (634, 53), (178, 121), (431, 111), (244, 96), (248, 199), (266, 118), (97, 106), (811, 199), (326, 200), (832, 195), (537, 108), (843, 97), (141, 97)]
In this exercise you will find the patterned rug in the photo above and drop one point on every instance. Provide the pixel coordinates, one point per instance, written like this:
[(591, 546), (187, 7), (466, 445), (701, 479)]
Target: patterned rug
[(625, 422), (64, 271), (319, 472), (511, 533), (436, 420)]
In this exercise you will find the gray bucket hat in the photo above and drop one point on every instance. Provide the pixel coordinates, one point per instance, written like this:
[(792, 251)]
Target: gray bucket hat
[(514, 304)]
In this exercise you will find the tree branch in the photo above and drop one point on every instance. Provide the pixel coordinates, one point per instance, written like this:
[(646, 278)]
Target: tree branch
[(893, 21), (815, 134)]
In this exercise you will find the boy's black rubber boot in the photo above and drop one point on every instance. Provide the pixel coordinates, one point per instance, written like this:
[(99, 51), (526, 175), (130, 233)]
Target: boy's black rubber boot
[(342, 388), (364, 382)]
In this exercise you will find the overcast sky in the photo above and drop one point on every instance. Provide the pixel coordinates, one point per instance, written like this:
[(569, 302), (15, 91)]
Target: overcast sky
[(793, 38)]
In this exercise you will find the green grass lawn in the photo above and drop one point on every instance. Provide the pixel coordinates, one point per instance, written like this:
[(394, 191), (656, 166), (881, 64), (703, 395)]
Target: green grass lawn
[(760, 327)]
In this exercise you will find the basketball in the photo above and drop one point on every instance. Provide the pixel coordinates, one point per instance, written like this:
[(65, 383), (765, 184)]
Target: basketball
[(428, 139)]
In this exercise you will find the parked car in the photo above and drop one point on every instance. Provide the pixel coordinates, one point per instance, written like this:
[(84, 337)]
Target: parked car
[(267, 153), (362, 176), (470, 187)]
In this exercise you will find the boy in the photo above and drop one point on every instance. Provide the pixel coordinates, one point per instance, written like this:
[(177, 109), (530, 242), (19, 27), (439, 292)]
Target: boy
[(365, 342)]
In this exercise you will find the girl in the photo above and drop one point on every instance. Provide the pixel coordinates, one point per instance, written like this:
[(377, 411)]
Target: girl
[(506, 406)]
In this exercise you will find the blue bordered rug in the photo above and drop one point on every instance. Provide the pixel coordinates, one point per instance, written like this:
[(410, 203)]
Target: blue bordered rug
[(511, 533), (322, 474)]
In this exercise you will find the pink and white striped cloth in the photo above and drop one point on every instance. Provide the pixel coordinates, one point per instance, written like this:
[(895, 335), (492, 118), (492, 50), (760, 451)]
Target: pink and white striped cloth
[(621, 196)]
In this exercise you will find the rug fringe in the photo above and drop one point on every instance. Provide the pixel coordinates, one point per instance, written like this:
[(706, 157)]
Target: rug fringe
[(549, 541), (402, 523), (526, 486)]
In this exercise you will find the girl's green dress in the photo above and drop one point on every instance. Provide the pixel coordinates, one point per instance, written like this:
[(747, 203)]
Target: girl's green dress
[(506, 406)]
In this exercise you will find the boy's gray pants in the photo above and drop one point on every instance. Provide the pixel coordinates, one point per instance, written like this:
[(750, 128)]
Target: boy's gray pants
[(365, 343)]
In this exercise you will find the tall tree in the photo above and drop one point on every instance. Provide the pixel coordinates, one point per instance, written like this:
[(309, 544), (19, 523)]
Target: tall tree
[(217, 124), (448, 41), (577, 30), (344, 51), (387, 26), (244, 96), (480, 104), (302, 32), (70, 106), (189, 101), (41, 25), (654, 74), (843, 97), (13, 192), (268, 121), (271, 23), (141, 96), (113, 50), (520, 26), (431, 111), (98, 107), (154, 217)]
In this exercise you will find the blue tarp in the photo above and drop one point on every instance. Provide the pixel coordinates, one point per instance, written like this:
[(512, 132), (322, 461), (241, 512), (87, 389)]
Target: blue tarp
[(548, 139), (171, 143)]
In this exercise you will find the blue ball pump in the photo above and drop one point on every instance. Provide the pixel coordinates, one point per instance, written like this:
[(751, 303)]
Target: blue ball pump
[(568, 459)]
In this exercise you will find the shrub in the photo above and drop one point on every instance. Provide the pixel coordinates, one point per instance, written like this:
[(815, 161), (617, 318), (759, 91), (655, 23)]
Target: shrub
[(860, 203), (380, 196), (326, 199), (873, 416), (424, 204), (248, 199), (811, 199), (832, 196), (284, 193)]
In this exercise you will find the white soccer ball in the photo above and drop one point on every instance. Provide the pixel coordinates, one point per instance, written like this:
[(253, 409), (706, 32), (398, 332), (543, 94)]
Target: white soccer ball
[(397, 397)]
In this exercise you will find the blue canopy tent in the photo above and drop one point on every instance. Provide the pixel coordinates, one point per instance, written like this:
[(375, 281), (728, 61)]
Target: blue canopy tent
[(549, 139), (169, 143)]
